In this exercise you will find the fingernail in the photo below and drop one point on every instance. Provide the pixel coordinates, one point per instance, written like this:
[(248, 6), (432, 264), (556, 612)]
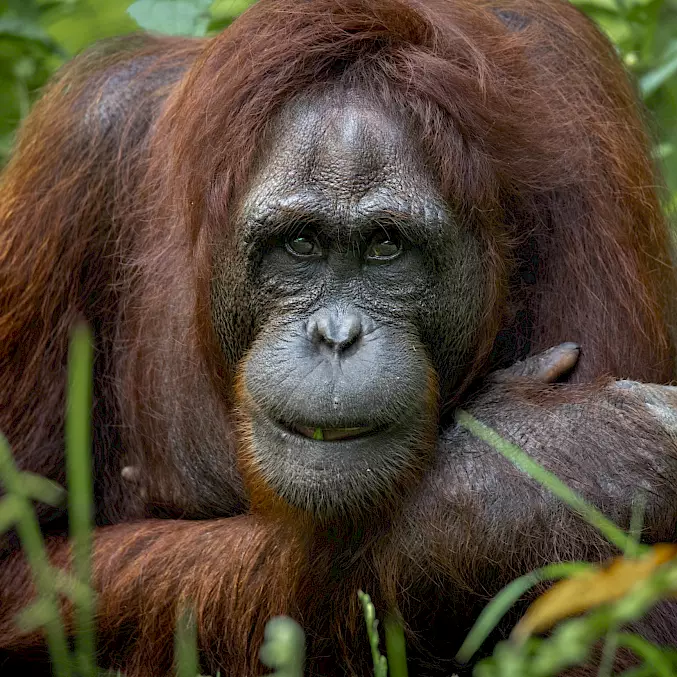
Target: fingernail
[(569, 345)]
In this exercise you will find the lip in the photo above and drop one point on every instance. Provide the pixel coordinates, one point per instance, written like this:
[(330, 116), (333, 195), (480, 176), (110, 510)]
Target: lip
[(334, 434)]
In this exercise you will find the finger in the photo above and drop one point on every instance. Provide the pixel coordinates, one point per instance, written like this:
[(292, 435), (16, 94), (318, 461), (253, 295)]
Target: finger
[(545, 367)]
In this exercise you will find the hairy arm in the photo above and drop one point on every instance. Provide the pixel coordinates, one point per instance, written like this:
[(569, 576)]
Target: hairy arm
[(488, 523), (63, 235), (232, 575)]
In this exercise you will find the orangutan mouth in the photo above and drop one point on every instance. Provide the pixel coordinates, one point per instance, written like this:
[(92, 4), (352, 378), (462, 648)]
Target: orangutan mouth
[(334, 434)]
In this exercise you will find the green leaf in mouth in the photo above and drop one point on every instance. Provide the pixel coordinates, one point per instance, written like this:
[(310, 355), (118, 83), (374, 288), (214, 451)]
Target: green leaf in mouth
[(318, 434)]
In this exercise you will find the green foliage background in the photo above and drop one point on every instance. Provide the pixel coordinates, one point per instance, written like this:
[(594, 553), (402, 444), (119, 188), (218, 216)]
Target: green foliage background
[(36, 36)]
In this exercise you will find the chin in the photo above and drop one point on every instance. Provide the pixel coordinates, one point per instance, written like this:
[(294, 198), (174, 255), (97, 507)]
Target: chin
[(350, 471)]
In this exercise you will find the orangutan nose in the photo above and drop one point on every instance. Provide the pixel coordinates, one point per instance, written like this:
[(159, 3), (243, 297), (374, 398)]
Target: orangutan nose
[(335, 329)]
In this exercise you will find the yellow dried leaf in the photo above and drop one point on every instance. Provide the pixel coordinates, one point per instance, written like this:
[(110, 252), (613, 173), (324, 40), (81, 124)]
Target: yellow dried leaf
[(591, 589)]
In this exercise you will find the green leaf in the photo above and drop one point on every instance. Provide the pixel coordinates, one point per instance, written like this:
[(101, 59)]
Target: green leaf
[(24, 68), (224, 12), (26, 9), (653, 655), (173, 17)]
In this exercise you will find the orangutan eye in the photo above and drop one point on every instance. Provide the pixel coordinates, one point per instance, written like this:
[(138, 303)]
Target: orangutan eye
[(383, 247), (303, 244)]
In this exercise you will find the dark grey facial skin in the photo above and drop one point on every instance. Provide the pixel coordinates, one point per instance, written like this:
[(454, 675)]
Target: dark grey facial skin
[(343, 241)]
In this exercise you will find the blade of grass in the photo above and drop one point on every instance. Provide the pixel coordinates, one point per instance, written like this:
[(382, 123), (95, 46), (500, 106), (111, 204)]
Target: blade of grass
[(80, 492), (606, 665), (33, 546), (651, 654), (185, 645), (10, 512), (396, 648), (41, 489)]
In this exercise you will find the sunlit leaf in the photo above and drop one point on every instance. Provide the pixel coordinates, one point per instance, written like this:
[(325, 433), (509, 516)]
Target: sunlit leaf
[(172, 17), (228, 9), (592, 589)]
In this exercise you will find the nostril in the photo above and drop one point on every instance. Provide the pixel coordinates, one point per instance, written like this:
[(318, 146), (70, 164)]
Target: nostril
[(352, 331)]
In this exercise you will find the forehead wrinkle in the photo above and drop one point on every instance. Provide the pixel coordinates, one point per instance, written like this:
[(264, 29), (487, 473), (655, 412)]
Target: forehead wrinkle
[(345, 145), (341, 162)]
